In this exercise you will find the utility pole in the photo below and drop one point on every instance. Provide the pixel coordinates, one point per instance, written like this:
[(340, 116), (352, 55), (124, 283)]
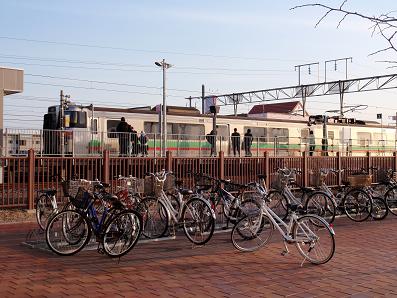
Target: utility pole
[(164, 65), (63, 104), (202, 98)]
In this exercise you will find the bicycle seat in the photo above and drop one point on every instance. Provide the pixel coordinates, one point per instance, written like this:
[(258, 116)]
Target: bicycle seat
[(293, 207), (185, 191), (307, 189), (50, 192)]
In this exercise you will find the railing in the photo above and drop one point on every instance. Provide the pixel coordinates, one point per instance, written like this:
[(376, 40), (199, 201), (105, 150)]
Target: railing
[(22, 177), (17, 142)]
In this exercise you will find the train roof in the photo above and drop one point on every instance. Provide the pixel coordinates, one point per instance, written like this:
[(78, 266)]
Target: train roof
[(194, 112)]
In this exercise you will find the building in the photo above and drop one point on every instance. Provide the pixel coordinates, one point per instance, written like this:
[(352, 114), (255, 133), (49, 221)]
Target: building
[(291, 110)]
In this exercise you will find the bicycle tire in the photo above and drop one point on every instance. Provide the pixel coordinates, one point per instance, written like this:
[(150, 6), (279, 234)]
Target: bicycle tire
[(155, 218), (391, 200), (68, 232), (357, 202), (307, 230), (278, 203), (321, 204), (44, 210), (123, 224), (249, 232), (199, 218), (379, 208)]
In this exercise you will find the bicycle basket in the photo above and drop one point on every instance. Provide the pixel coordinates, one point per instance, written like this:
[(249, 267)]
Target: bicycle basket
[(132, 184), (82, 199), (169, 183), (202, 182), (316, 178), (280, 182), (360, 180), (384, 176)]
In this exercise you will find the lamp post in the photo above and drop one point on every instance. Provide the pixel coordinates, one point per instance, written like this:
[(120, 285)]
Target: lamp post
[(164, 65)]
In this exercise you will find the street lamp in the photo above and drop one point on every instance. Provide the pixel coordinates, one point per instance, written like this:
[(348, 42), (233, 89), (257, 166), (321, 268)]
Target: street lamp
[(164, 65)]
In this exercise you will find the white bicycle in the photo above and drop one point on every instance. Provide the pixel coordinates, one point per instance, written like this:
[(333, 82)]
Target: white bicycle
[(311, 234)]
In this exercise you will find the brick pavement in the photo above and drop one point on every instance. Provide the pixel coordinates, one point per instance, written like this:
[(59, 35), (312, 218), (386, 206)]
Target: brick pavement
[(365, 265)]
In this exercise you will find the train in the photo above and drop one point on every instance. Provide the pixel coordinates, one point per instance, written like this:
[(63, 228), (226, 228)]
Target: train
[(90, 130)]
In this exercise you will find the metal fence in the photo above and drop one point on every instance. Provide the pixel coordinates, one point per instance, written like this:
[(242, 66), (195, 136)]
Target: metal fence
[(17, 142), (21, 178)]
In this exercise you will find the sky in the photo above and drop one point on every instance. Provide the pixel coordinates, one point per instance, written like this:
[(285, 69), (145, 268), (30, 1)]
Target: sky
[(103, 52)]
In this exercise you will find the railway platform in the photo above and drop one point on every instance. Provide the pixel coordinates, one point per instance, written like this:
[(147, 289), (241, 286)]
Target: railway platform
[(364, 266)]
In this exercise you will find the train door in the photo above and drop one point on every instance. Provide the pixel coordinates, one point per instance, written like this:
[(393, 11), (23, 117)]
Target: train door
[(223, 133), (346, 140)]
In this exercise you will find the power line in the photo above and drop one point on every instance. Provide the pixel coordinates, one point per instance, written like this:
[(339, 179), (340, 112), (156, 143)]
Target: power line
[(135, 65), (105, 82), (138, 50)]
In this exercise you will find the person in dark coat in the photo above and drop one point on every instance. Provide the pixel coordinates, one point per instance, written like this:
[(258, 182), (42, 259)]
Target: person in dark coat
[(134, 141), (211, 138), (122, 129), (143, 140), (236, 142), (248, 142)]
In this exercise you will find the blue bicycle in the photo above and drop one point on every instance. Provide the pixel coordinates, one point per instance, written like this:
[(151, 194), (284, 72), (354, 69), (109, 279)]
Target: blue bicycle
[(116, 228)]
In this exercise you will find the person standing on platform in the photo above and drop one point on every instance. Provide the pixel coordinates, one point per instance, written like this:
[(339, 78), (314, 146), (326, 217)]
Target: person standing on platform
[(134, 142), (248, 143), (312, 143), (211, 138), (143, 141), (236, 142), (122, 130)]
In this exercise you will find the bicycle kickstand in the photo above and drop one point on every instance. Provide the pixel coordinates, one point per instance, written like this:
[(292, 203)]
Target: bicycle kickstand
[(286, 250)]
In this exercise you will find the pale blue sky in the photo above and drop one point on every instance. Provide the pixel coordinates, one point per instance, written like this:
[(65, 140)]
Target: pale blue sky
[(230, 46)]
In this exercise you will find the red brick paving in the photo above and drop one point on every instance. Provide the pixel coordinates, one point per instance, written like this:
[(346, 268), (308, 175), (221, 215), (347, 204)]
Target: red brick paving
[(365, 265)]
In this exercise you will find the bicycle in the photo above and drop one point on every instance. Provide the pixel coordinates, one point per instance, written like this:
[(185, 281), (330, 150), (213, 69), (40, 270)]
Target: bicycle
[(231, 206), (255, 230), (314, 201), (117, 230), (194, 215)]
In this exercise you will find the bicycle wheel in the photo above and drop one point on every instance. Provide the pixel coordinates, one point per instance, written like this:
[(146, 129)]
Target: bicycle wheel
[(122, 233), (314, 239), (379, 208), (391, 200), (155, 218), (357, 205), (321, 204), (252, 232), (278, 203), (44, 210), (198, 221), (68, 232)]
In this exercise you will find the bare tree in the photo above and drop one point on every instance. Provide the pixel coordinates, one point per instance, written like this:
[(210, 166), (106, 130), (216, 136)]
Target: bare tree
[(385, 24)]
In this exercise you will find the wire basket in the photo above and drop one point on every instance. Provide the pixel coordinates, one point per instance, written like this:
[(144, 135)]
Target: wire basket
[(153, 186), (280, 182), (82, 199), (360, 180), (71, 187), (316, 178), (132, 184), (203, 182)]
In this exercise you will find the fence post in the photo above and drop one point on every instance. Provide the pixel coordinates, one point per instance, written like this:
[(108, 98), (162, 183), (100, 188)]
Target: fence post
[(31, 171), (105, 165), (395, 160), (168, 164), (305, 170), (339, 157), (267, 168), (221, 165)]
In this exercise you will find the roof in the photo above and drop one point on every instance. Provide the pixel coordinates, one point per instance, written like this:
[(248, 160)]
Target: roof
[(283, 107)]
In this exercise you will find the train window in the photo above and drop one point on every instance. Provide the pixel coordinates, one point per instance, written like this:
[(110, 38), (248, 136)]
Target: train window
[(75, 119), (188, 131), (331, 134), (94, 126), (257, 132), (364, 138), (111, 128), (282, 134), (223, 132), (305, 135)]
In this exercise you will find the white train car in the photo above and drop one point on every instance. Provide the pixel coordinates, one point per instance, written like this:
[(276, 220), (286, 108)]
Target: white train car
[(91, 131)]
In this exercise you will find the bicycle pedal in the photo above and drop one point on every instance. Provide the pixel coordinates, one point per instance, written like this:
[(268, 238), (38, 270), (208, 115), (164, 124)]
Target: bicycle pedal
[(284, 253)]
